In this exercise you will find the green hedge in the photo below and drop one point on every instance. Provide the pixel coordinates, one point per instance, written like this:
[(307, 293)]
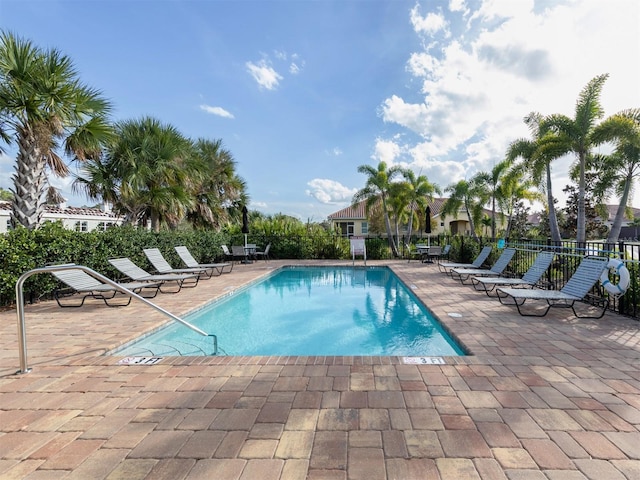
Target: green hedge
[(22, 250)]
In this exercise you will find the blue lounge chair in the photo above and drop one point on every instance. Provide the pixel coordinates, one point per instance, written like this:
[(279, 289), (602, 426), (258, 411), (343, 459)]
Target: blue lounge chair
[(576, 289), (477, 263), (530, 279), (496, 269)]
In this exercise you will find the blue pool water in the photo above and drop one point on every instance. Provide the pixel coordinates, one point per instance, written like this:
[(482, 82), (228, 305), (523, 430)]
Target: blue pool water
[(310, 311)]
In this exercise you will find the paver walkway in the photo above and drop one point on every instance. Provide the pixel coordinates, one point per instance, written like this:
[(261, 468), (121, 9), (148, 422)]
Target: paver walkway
[(552, 398)]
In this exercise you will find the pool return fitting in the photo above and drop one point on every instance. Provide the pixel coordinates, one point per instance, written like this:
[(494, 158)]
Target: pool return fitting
[(22, 335)]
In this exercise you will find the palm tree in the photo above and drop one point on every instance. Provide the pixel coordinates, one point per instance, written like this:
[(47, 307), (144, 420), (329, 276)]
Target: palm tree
[(514, 188), (577, 138), (154, 163), (489, 183), (618, 171), (217, 188), (537, 154), (376, 190), (420, 192), (5, 195), (398, 202), (43, 104), (486, 222), (485, 189), (468, 195)]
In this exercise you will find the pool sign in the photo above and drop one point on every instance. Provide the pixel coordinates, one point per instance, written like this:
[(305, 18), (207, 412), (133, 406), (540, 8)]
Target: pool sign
[(423, 360), (139, 360)]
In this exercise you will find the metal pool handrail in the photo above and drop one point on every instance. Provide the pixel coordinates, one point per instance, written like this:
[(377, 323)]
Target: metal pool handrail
[(22, 336)]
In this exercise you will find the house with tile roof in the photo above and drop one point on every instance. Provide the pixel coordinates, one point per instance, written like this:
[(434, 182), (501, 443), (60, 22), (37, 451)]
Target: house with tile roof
[(353, 221), (81, 219)]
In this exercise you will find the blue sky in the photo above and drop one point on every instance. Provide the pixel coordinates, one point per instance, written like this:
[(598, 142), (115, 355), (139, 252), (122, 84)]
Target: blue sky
[(303, 92)]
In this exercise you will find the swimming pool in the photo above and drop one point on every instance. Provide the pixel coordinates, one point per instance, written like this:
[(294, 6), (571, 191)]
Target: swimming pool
[(310, 311)]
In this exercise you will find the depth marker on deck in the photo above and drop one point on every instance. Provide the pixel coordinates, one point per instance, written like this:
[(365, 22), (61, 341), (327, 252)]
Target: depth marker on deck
[(423, 360), (139, 360)]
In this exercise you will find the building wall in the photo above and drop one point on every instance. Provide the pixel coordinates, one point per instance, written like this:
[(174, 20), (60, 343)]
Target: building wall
[(80, 219)]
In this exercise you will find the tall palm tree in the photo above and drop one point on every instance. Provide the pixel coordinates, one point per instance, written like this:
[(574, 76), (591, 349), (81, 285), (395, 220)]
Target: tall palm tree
[(577, 134), (489, 184), (485, 187), (398, 203), (154, 163), (376, 190), (468, 195), (217, 188), (420, 192), (617, 172), (43, 104), (515, 187), (537, 154)]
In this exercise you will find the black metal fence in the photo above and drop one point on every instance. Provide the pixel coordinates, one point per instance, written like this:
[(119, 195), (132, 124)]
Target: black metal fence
[(568, 256)]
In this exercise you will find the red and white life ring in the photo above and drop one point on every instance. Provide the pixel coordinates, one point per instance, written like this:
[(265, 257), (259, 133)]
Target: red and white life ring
[(616, 267)]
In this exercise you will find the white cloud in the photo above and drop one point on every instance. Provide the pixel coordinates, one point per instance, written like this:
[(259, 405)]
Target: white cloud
[(329, 191), (458, 6), (294, 68), (264, 74), (508, 60), (219, 111), (429, 24), (387, 151)]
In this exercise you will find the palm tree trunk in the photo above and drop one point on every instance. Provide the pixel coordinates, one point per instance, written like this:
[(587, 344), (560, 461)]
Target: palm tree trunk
[(155, 221), (553, 218), (614, 233), (387, 225), (410, 223), (29, 182), (493, 217), (472, 225), (581, 236)]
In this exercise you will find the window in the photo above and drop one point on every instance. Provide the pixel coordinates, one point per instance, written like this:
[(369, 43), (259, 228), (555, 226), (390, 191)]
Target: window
[(365, 228), (81, 226), (346, 229)]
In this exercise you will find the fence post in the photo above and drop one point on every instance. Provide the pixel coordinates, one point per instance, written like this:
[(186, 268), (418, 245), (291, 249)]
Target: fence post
[(622, 303)]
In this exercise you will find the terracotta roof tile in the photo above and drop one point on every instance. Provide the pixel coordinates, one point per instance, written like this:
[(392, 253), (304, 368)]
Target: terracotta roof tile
[(359, 210), (75, 211)]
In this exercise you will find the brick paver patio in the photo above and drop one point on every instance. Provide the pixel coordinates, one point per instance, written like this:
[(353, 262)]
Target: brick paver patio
[(553, 398)]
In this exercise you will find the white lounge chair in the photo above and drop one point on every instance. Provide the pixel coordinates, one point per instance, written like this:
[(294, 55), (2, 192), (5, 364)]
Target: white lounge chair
[(462, 274), (477, 263), (576, 289), (133, 271), (191, 262), (530, 278), (81, 282), (162, 266)]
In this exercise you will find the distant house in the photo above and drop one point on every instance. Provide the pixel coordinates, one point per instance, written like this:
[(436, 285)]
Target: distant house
[(81, 219), (535, 218), (627, 232), (353, 221)]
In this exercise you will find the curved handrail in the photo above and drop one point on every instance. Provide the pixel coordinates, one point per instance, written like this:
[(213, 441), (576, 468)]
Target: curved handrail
[(22, 336)]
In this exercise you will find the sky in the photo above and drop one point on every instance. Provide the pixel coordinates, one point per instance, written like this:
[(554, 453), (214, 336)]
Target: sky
[(303, 92)]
